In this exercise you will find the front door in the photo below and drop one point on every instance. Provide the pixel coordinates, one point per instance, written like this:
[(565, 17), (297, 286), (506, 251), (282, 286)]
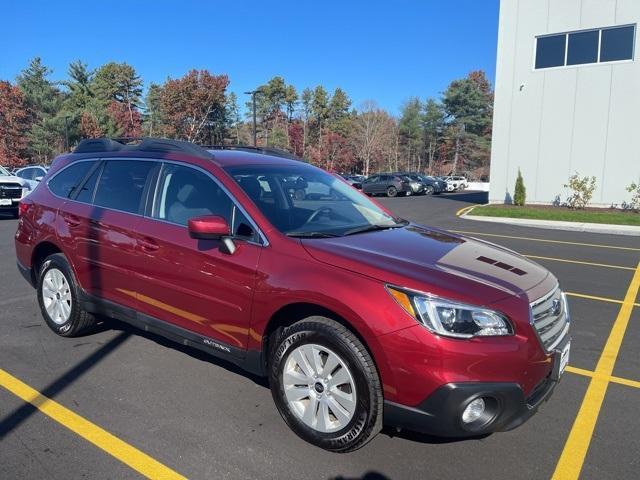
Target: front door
[(195, 284)]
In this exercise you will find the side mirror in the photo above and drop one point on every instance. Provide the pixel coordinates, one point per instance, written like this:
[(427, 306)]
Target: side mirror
[(212, 227), (208, 227), (37, 179)]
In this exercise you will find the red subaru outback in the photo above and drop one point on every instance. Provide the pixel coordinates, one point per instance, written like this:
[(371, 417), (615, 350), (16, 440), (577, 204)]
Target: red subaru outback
[(358, 318)]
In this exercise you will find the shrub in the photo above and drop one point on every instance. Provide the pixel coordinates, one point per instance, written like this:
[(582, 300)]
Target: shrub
[(520, 192), (634, 190), (581, 190)]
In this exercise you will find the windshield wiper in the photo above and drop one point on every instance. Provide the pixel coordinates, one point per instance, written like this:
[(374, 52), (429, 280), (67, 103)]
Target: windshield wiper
[(312, 235), (375, 227)]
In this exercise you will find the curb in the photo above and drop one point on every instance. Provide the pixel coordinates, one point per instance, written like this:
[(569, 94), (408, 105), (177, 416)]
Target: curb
[(554, 224)]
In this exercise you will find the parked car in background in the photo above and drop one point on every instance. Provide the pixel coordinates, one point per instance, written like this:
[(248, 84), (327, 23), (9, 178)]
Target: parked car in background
[(32, 174), (429, 184), (357, 317), (12, 190), (355, 180), (456, 182), (387, 184)]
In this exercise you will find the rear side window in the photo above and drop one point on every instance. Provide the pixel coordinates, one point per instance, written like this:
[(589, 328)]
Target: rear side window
[(183, 193), (65, 182), (121, 185)]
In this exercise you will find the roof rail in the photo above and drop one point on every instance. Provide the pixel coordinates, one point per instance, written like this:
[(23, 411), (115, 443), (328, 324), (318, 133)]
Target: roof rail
[(145, 144), (276, 152)]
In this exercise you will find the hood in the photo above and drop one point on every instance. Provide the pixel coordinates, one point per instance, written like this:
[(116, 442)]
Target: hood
[(432, 260), (12, 179)]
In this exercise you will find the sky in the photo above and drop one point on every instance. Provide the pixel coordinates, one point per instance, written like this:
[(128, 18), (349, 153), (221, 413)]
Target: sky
[(387, 51)]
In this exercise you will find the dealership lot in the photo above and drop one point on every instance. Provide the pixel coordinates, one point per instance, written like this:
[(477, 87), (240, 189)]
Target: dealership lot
[(153, 407)]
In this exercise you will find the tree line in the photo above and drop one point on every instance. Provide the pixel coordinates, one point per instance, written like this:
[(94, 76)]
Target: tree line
[(40, 118)]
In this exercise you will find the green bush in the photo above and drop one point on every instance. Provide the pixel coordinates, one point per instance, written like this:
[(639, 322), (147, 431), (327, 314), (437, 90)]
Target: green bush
[(520, 192), (581, 190), (634, 190)]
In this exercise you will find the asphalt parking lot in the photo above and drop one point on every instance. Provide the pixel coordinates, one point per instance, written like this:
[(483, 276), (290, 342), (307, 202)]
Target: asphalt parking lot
[(129, 403)]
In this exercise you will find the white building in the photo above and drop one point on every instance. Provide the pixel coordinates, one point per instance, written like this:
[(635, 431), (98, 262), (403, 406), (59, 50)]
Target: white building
[(567, 98)]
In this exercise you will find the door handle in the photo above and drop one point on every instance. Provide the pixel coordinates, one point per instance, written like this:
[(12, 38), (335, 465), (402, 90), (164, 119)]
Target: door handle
[(71, 220), (148, 244)]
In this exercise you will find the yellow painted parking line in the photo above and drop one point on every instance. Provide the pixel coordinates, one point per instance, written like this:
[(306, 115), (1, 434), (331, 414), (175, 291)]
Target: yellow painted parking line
[(545, 240), (599, 299), (465, 210), (589, 373), (579, 262), (575, 449), (131, 456)]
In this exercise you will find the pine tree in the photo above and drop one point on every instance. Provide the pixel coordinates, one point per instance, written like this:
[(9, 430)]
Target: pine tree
[(520, 192)]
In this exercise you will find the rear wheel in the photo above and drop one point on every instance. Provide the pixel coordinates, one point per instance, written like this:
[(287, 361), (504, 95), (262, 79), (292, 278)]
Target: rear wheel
[(325, 385), (58, 298), (392, 191), (428, 190)]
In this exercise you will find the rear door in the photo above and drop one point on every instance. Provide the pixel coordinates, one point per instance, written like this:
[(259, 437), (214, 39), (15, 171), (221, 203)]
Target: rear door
[(191, 283), (101, 220)]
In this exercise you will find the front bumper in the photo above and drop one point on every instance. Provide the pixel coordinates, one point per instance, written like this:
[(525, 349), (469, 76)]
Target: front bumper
[(440, 414), (9, 203)]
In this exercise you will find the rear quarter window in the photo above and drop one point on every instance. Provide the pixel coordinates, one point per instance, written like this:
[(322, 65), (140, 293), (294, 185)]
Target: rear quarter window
[(64, 183)]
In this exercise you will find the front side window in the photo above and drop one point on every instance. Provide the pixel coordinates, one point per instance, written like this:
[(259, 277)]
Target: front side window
[(304, 201), (183, 193), (27, 173), (64, 183), (121, 185)]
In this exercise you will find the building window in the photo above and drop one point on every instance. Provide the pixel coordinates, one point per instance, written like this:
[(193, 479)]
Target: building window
[(550, 51), (617, 44), (585, 47)]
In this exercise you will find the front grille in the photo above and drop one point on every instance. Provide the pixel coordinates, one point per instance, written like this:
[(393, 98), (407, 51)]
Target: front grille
[(550, 318), (10, 190)]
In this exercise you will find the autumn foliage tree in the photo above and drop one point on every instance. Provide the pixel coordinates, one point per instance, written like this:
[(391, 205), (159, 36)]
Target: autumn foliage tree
[(14, 125), (188, 104)]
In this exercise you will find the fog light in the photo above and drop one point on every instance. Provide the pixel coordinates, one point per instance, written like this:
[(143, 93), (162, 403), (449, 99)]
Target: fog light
[(473, 411)]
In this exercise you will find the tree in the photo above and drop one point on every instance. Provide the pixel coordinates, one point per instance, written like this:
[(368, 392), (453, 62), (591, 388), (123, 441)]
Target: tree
[(44, 102), (338, 119), (233, 116), (468, 104), (119, 82), (80, 86), (433, 121), (14, 125), (128, 123), (519, 192), (188, 103), (410, 130), (371, 133)]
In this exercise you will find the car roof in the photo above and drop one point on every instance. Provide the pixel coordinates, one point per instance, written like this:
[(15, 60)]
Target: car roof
[(222, 155)]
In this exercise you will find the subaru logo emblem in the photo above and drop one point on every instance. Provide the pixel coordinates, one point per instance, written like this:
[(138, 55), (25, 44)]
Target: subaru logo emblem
[(556, 306)]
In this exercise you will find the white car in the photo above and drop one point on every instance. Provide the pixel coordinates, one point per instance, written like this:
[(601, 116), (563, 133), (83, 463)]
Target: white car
[(12, 190), (32, 174), (456, 182)]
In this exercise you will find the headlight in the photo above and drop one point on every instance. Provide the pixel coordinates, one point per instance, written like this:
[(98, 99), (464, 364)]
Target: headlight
[(450, 318)]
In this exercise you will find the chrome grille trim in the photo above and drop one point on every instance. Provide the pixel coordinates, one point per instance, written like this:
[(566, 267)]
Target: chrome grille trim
[(550, 326)]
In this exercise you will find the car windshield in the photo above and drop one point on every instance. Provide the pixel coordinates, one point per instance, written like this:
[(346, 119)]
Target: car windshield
[(304, 201), (4, 171)]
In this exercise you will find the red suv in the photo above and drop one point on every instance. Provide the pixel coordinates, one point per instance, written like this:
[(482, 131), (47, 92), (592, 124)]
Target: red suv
[(358, 318)]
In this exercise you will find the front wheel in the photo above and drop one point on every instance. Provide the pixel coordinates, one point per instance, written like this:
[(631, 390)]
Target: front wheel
[(325, 385), (392, 192), (428, 190)]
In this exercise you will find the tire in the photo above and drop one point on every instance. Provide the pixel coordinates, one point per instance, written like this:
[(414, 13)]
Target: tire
[(428, 190), (56, 277), (326, 340), (392, 192)]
